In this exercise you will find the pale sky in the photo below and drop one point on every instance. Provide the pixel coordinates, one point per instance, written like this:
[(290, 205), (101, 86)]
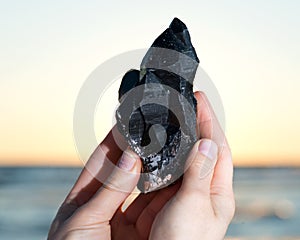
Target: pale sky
[(250, 50)]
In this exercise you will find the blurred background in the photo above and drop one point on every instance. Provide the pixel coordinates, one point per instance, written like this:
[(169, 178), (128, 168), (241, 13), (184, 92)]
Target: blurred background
[(250, 50)]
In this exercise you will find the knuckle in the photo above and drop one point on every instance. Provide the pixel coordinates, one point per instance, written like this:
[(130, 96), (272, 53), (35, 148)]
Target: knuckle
[(226, 201)]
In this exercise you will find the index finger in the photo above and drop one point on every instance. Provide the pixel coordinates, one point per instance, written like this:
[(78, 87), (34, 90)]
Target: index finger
[(207, 122), (99, 166), (209, 127)]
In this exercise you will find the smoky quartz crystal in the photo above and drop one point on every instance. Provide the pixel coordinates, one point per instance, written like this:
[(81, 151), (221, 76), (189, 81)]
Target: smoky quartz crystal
[(157, 112)]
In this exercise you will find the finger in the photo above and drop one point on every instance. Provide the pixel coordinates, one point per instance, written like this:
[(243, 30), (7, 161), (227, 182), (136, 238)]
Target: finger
[(200, 165), (223, 173), (137, 206), (221, 184), (97, 169), (102, 206), (210, 128), (147, 216), (208, 125), (222, 194)]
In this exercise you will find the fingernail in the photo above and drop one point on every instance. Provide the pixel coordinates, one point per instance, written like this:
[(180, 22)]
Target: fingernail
[(127, 160), (208, 148)]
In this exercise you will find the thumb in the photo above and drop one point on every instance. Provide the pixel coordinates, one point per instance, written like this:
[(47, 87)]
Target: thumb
[(115, 190), (199, 166)]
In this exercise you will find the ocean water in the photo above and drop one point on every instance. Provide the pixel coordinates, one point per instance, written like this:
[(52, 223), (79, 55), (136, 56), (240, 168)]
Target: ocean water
[(267, 199)]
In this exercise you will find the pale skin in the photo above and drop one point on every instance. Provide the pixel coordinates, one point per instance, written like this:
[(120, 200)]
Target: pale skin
[(200, 206)]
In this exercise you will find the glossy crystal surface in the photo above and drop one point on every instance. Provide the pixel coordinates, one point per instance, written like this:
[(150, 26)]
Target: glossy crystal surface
[(157, 112)]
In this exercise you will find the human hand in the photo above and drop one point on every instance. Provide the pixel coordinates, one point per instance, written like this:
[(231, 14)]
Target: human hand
[(204, 205), (201, 207)]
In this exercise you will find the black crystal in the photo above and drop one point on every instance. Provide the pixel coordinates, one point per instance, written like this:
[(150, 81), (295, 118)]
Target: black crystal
[(157, 112)]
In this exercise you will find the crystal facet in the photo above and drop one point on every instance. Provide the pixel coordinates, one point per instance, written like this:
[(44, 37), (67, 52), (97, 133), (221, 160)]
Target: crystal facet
[(157, 112)]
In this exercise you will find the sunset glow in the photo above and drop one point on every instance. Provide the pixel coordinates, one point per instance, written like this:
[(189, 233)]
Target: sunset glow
[(251, 54)]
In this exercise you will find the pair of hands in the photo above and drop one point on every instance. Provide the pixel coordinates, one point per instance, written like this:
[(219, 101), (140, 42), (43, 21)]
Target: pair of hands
[(200, 206)]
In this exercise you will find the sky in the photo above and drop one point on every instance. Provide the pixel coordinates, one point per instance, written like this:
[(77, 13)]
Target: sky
[(249, 49)]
